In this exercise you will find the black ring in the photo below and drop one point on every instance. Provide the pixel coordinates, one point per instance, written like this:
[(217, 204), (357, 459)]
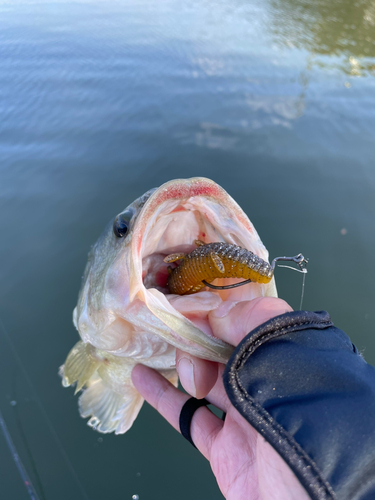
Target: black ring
[(186, 416)]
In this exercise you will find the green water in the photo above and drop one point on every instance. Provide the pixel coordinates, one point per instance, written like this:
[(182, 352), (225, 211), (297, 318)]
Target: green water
[(102, 100)]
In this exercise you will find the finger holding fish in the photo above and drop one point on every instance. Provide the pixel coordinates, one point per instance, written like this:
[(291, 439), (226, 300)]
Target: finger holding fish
[(203, 379), (230, 322), (197, 376), (168, 401), (244, 463)]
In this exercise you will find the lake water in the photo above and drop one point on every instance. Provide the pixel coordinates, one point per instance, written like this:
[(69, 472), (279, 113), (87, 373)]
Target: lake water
[(102, 100)]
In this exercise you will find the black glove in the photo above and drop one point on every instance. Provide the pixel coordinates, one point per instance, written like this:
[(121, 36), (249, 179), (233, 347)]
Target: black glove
[(303, 385)]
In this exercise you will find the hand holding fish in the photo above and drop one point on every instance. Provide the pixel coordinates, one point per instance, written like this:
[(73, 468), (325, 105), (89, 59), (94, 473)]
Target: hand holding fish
[(160, 292), (244, 464), (295, 384)]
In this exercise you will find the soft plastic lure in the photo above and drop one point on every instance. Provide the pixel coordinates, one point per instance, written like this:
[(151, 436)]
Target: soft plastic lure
[(220, 260)]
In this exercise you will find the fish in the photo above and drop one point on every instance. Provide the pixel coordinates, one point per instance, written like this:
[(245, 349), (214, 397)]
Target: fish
[(126, 315)]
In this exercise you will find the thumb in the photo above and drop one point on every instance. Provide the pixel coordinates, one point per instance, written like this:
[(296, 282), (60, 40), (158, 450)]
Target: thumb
[(232, 321)]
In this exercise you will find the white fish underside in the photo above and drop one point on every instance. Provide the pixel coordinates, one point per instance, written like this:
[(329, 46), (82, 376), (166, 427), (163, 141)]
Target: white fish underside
[(125, 314)]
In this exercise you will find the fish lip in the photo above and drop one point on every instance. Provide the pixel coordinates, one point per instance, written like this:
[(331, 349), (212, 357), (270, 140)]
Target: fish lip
[(181, 190)]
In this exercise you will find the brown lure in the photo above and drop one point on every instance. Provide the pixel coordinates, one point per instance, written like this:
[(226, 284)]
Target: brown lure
[(215, 260)]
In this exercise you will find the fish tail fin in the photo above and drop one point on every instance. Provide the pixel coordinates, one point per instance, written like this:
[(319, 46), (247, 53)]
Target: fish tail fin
[(80, 365), (108, 410)]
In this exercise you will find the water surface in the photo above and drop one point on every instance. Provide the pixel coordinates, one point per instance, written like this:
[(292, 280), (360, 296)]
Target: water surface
[(102, 100)]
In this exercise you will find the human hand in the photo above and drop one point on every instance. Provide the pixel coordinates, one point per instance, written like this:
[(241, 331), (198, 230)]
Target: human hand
[(244, 464)]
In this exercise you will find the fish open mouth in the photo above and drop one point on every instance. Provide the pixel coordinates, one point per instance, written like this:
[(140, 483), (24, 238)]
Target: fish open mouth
[(176, 232), (173, 227)]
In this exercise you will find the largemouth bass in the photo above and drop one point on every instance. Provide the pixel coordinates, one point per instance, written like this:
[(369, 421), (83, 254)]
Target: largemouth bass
[(125, 314)]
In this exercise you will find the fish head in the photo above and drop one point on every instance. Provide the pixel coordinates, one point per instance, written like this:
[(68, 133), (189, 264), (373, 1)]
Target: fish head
[(124, 294)]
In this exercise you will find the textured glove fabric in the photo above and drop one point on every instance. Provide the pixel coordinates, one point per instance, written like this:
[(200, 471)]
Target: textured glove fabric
[(302, 384)]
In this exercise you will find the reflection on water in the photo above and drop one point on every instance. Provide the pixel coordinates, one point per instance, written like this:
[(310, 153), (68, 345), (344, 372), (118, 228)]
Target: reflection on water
[(341, 28)]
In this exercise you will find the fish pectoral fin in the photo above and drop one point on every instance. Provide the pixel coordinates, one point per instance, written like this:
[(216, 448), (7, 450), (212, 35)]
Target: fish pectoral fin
[(218, 263), (109, 411), (80, 365), (173, 257)]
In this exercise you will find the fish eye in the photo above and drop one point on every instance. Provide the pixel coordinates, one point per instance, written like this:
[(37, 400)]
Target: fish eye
[(121, 224)]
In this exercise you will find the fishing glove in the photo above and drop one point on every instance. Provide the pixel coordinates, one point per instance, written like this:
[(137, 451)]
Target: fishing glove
[(302, 384)]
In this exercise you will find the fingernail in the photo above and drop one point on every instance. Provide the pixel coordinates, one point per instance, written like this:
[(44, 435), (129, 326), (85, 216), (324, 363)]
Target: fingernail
[(224, 309), (185, 370)]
